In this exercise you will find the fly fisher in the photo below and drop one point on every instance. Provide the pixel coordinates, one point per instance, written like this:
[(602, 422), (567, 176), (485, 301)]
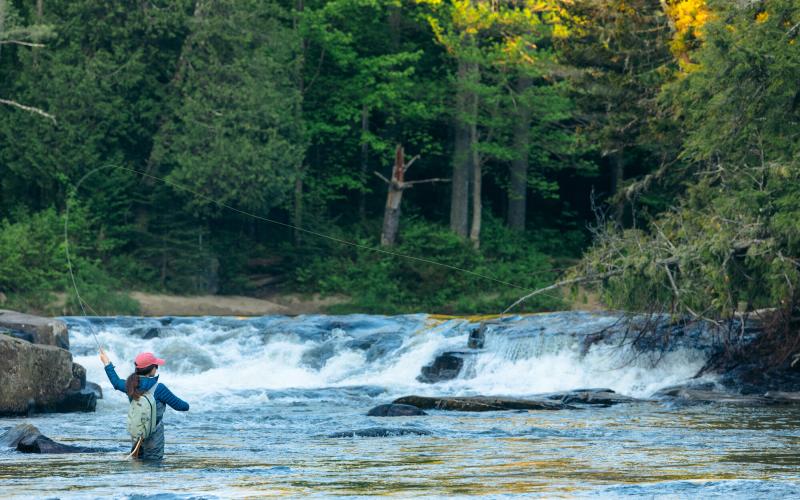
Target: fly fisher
[(148, 400)]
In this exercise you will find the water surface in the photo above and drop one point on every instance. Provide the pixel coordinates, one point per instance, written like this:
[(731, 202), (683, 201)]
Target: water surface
[(266, 393)]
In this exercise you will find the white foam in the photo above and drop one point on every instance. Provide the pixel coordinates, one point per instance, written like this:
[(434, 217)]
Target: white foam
[(240, 362)]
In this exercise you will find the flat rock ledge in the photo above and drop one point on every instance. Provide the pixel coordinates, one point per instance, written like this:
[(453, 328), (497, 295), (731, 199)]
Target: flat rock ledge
[(479, 403), (699, 395), (26, 438)]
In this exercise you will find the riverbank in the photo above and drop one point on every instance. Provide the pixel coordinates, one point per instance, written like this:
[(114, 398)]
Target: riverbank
[(153, 304)]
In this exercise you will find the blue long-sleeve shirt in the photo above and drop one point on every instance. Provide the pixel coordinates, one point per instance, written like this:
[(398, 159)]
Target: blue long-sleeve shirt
[(146, 383)]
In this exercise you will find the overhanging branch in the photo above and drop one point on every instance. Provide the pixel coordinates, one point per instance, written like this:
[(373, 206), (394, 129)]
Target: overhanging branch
[(29, 109)]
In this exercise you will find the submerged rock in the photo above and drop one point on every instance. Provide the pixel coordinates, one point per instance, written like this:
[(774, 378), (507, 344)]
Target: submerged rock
[(380, 432), (591, 397), (446, 366), (395, 410), (479, 403), (27, 439), (702, 395)]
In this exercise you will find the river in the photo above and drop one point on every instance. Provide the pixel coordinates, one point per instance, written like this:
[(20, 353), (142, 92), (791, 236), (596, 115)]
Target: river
[(266, 393)]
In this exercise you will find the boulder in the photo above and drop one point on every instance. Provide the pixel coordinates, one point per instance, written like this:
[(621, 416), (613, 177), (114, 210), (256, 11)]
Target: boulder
[(98, 391), (394, 410), (380, 432), (479, 403), (591, 397), (45, 331), (446, 366), (146, 333), (33, 375), (477, 337), (83, 400), (26, 438)]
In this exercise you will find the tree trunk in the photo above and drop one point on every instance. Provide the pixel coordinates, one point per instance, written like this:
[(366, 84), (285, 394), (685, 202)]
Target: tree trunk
[(362, 200), (477, 178), (3, 8), (391, 214), (300, 168), (462, 150), (297, 216), (518, 181), (617, 178)]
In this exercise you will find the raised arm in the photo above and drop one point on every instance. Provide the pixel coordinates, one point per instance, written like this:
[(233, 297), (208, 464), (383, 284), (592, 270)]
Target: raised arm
[(116, 382), (165, 396)]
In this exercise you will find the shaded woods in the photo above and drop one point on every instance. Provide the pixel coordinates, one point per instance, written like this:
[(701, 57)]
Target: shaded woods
[(652, 142)]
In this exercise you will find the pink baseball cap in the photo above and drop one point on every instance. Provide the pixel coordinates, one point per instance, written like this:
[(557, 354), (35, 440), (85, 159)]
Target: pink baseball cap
[(145, 359)]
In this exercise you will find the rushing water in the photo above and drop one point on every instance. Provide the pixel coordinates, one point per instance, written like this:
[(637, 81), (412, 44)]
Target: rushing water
[(266, 393)]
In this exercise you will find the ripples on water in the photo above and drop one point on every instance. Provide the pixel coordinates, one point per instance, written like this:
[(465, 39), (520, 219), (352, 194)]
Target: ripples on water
[(265, 394)]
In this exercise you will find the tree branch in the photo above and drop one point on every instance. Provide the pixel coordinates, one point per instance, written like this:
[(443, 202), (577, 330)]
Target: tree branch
[(20, 42), (384, 179), (423, 181), (29, 109), (410, 162), (572, 281)]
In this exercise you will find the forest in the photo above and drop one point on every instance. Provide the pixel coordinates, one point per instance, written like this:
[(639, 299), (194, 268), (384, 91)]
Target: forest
[(645, 152)]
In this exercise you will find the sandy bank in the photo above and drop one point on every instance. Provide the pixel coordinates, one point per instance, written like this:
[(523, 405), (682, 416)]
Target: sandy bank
[(231, 305)]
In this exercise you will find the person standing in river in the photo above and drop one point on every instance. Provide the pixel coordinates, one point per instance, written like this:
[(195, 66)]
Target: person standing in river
[(140, 383)]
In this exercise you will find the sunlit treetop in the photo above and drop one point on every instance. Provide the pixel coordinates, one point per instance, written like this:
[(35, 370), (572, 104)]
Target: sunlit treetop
[(688, 18), (512, 28)]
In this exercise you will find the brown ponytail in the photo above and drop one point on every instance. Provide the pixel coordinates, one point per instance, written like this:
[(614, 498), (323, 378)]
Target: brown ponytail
[(132, 382)]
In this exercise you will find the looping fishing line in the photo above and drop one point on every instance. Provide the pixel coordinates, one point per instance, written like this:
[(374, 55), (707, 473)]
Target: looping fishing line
[(84, 305)]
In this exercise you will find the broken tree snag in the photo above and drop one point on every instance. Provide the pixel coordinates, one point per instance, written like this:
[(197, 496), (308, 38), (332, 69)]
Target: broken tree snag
[(397, 184)]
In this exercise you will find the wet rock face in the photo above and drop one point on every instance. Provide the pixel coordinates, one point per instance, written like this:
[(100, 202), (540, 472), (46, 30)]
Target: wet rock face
[(395, 410), (445, 367), (477, 337), (33, 375), (78, 377), (380, 432), (35, 329), (479, 403), (26, 438), (41, 378), (98, 391)]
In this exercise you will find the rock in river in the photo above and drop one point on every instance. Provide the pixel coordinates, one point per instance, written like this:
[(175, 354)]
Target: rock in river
[(394, 410), (40, 378), (446, 366), (591, 397), (45, 331), (380, 432), (27, 439), (479, 403), (686, 394)]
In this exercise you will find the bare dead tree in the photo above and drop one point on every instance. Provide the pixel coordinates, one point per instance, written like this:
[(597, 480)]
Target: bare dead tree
[(397, 185)]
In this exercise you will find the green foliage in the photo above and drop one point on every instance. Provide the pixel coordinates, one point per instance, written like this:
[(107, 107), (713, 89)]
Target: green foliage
[(234, 122), (33, 265), (390, 284), (731, 243)]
